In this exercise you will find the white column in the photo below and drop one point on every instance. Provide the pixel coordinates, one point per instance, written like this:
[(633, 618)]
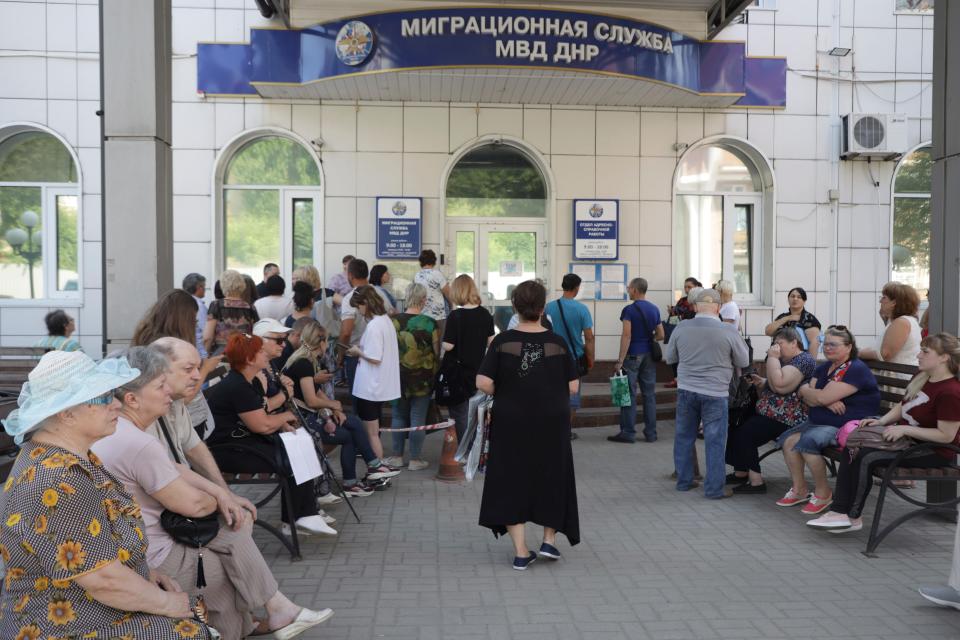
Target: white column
[(945, 201), (137, 187)]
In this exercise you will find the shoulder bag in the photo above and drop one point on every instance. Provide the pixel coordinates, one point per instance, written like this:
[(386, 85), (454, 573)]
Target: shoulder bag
[(450, 385), (191, 532), (656, 351), (582, 368)]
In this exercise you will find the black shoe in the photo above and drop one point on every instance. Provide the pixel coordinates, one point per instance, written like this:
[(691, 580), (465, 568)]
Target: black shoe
[(746, 487), (573, 435), (620, 438), (653, 439), (733, 478)]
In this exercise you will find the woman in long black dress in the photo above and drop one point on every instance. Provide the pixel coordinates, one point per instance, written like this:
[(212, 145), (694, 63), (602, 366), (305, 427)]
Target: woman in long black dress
[(530, 469)]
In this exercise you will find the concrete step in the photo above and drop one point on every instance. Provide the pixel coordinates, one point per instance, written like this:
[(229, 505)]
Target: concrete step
[(610, 416), (597, 394)]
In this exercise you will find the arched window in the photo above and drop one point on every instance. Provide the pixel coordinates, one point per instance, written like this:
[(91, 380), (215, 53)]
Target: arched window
[(496, 181), (718, 221), (910, 250), (271, 207), (39, 222)]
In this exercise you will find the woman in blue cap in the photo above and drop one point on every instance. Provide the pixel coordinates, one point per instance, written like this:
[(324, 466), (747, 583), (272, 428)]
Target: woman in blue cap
[(71, 537)]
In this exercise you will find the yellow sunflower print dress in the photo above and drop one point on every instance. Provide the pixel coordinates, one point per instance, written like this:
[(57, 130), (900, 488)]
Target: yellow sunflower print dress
[(62, 516)]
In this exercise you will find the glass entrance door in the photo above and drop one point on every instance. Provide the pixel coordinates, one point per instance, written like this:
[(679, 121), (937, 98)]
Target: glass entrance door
[(498, 257)]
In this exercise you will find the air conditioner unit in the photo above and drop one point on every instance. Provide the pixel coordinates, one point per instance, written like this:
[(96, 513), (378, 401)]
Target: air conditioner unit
[(874, 135)]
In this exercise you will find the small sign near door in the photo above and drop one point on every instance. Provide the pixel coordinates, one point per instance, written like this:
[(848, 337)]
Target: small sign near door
[(596, 229), (399, 227), (511, 268)]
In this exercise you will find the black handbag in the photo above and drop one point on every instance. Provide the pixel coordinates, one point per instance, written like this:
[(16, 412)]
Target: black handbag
[(192, 532), (450, 384), (582, 368), (656, 351)]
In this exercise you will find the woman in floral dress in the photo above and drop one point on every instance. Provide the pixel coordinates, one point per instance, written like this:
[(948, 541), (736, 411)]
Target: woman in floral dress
[(71, 537)]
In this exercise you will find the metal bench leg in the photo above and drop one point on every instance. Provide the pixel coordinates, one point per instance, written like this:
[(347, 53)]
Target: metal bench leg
[(943, 491), (288, 501), (874, 540)]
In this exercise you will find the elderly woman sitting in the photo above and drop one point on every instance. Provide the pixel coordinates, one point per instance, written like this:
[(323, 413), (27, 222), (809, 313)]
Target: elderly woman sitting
[(72, 537), (778, 408), (238, 579), (842, 388)]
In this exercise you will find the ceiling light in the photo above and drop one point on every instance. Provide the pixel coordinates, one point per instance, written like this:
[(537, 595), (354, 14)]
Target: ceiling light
[(839, 52)]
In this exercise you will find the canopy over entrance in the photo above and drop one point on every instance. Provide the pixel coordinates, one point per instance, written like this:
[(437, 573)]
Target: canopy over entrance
[(493, 54)]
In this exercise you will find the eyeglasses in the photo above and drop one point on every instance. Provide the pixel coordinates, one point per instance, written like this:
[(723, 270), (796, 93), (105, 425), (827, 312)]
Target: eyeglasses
[(102, 399), (833, 345)]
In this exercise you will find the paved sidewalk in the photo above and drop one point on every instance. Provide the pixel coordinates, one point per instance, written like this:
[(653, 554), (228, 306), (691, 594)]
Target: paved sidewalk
[(654, 563)]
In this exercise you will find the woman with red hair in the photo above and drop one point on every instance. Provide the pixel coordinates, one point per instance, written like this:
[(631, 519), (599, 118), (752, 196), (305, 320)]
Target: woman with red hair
[(240, 416)]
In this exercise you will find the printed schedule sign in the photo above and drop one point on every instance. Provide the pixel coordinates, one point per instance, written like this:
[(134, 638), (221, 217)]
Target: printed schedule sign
[(596, 229), (399, 227), (603, 281)]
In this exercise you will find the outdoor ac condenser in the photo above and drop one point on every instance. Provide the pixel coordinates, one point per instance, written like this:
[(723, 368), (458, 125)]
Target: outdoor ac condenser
[(873, 135)]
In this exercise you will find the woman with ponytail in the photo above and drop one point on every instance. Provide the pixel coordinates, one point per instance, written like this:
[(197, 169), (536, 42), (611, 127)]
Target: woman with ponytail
[(334, 427), (929, 412)]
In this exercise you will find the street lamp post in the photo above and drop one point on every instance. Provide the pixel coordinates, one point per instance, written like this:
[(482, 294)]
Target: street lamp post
[(18, 237)]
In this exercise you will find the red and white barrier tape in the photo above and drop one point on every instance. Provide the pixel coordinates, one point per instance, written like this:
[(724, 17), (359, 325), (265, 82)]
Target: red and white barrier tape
[(426, 427)]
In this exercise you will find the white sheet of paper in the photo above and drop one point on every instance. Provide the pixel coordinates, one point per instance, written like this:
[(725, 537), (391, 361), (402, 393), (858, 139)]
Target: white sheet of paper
[(612, 291), (302, 455), (587, 291), (587, 272), (612, 273)]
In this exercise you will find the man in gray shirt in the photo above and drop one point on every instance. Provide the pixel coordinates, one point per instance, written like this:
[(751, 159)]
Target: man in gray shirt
[(707, 351)]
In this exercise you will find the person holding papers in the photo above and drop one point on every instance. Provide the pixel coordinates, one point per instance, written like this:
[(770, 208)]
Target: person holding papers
[(334, 427), (239, 414)]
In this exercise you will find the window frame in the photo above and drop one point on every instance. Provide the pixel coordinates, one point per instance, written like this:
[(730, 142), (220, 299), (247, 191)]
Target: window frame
[(48, 216), (763, 219), (286, 194), (894, 195)]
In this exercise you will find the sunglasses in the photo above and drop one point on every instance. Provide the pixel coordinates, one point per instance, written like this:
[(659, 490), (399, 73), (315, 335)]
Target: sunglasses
[(102, 399), (279, 341)]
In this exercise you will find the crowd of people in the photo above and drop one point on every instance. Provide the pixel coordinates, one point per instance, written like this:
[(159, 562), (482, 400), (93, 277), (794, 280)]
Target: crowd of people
[(109, 449)]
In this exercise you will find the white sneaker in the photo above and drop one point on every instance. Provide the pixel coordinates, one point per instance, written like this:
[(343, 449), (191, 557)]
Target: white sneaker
[(394, 461), (417, 465), (328, 499), (311, 525), (326, 517), (382, 472)]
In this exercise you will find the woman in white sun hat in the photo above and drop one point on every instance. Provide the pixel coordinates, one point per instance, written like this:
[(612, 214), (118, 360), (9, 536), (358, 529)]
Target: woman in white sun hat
[(71, 537)]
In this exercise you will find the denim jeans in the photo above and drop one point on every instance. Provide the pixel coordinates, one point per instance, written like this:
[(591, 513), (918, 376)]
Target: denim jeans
[(352, 438), (692, 409), (410, 412), (642, 369), (458, 413)]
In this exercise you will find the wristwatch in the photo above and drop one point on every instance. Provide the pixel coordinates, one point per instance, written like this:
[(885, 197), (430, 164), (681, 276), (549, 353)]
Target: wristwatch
[(199, 608)]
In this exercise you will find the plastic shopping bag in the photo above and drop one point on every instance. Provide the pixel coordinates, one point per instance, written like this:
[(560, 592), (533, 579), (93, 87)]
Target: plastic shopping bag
[(620, 389)]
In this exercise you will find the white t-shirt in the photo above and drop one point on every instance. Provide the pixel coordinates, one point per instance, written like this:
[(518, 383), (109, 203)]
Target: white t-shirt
[(348, 312), (434, 281), (730, 311), (276, 307), (379, 382)]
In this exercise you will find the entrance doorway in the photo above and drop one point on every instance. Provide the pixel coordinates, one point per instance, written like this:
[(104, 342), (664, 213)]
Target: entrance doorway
[(495, 221), (498, 256)]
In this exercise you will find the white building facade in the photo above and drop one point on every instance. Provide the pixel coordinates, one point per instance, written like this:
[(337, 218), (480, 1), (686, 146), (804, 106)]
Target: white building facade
[(755, 194)]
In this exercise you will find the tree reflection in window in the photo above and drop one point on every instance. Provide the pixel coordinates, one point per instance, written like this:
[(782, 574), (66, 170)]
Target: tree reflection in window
[(910, 252), (496, 180), (38, 196)]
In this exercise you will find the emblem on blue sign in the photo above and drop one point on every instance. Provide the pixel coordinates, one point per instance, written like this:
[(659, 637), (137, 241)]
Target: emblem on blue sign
[(399, 208), (354, 43), (595, 211)]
